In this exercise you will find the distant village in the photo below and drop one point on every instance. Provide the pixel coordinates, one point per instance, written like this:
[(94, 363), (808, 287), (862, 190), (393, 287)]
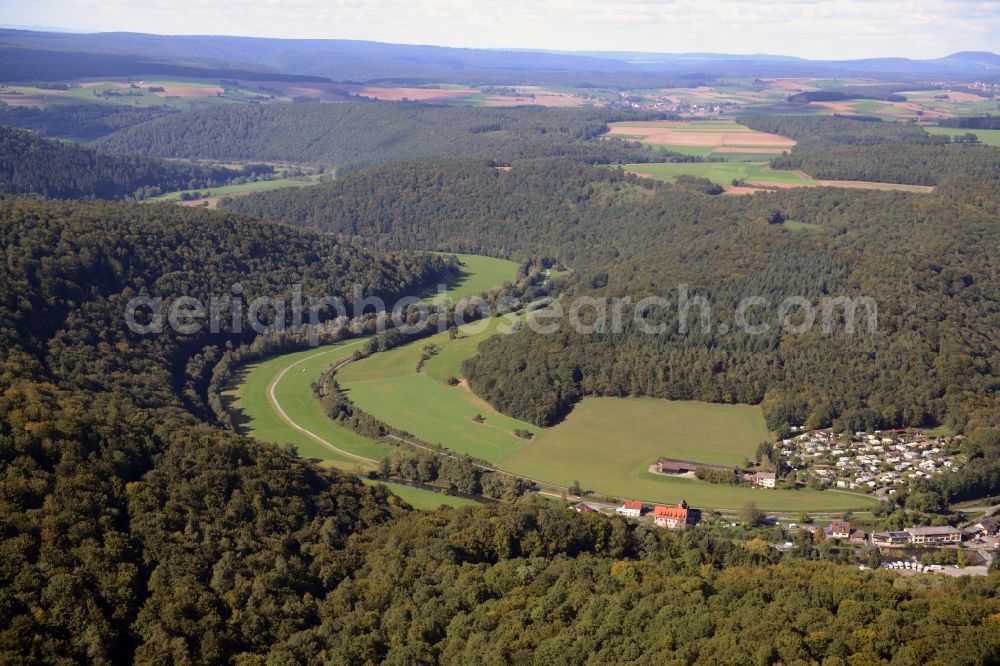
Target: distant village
[(982, 535), (880, 463)]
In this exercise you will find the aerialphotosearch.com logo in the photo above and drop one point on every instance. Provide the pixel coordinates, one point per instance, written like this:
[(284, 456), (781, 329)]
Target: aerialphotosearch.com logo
[(653, 315)]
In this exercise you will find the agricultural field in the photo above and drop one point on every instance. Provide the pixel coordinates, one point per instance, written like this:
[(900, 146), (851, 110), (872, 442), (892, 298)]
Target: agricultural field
[(756, 176), (949, 103), (424, 403), (723, 173), (388, 386), (478, 274), (179, 92), (248, 399), (718, 138), (641, 430), (248, 396), (212, 195), (608, 445), (985, 136)]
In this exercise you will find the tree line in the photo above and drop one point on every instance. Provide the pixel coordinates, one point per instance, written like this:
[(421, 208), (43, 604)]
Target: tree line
[(353, 135), (31, 164)]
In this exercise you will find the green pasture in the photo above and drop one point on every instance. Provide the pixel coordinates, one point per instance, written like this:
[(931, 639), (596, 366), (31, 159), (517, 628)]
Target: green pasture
[(478, 274), (985, 136), (242, 188), (722, 173)]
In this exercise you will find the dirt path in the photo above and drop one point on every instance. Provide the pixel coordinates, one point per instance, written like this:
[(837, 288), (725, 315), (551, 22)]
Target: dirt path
[(279, 410)]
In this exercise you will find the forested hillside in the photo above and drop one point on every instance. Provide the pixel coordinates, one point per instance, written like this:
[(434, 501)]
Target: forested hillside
[(131, 531), (78, 122), (349, 136), (128, 530), (931, 361), (30, 164), (841, 148)]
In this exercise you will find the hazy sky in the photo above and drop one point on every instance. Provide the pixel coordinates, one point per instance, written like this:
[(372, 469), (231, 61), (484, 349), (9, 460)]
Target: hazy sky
[(810, 28)]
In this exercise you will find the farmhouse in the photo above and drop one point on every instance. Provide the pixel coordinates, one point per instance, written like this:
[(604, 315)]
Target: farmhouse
[(987, 526), (671, 517), (934, 535), (583, 507), (763, 479), (889, 539), (630, 509), (839, 529)]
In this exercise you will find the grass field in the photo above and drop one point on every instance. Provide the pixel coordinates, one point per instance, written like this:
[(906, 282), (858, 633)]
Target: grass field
[(988, 137), (248, 398), (757, 173), (387, 386), (479, 274), (719, 138), (608, 444), (722, 173), (242, 188)]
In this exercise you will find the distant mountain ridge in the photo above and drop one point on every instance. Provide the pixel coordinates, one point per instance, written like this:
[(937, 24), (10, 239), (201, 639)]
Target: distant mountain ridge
[(366, 61)]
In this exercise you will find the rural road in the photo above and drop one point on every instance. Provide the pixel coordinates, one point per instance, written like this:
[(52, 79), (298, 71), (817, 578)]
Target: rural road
[(273, 400), (279, 410)]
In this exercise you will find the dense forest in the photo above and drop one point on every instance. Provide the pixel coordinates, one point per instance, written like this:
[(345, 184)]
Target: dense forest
[(723, 248), (116, 504), (978, 122), (845, 148), (349, 136), (30, 164), (132, 532), (78, 122)]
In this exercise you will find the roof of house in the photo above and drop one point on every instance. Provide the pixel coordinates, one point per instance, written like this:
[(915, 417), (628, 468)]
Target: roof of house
[(765, 475), (891, 535), (671, 512), (989, 523), (840, 527), (932, 531), (583, 507), (632, 504)]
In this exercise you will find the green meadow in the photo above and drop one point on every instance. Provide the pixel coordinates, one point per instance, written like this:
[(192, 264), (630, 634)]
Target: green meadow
[(388, 386), (478, 274), (985, 136), (607, 444), (722, 173), (419, 498), (242, 188)]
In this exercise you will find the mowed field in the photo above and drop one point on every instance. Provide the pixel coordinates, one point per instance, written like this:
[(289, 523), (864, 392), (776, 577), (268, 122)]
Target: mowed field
[(388, 386), (419, 498), (723, 173), (988, 137), (216, 193), (478, 274), (248, 399), (607, 444), (720, 138), (758, 174)]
